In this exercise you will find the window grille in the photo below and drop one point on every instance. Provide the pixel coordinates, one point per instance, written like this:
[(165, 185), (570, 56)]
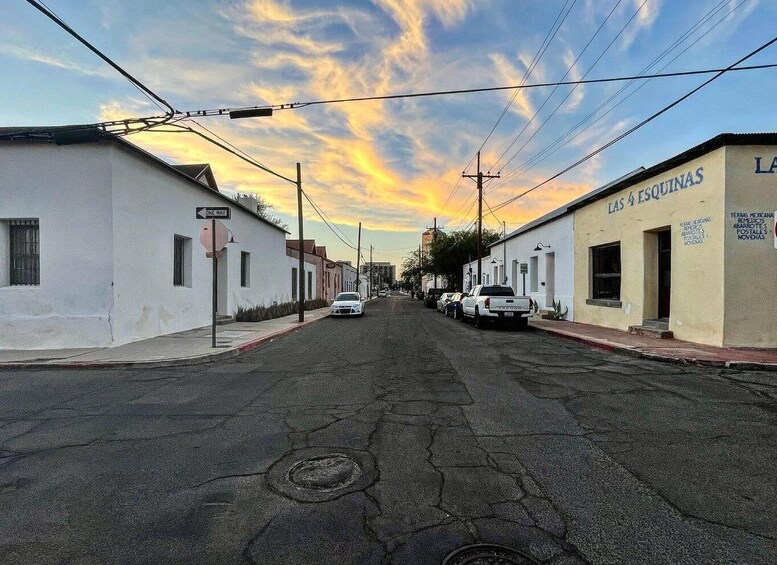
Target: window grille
[(245, 269), (25, 252)]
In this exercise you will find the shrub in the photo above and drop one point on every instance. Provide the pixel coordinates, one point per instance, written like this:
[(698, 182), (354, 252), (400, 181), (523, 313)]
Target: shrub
[(261, 313)]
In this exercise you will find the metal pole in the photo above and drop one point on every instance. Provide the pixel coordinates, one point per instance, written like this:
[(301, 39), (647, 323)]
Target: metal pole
[(215, 277), (301, 247), (504, 253), (524, 284), (480, 176), (358, 256)]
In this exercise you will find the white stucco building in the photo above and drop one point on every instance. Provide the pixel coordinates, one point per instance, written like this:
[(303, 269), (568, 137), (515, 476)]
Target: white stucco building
[(99, 246)]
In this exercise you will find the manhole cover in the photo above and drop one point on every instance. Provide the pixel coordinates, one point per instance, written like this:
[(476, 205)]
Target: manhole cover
[(488, 554), (318, 474), (326, 472)]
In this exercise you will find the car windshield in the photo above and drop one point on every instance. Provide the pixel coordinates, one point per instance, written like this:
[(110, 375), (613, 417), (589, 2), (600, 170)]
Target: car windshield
[(347, 297), (496, 291)]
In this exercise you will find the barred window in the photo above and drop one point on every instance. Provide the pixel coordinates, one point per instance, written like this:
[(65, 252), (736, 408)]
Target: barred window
[(606, 270), (294, 283), (25, 252), (179, 245)]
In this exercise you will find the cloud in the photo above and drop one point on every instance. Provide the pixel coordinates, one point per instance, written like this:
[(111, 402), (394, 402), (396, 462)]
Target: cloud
[(511, 75), (647, 12), (26, 54)]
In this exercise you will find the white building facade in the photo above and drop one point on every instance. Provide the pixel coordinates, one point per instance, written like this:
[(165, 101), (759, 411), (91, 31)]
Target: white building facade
[(117, 248)]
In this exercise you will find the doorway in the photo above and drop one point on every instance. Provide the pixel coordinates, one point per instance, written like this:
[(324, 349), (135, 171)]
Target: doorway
[(222, 284), (664, 273), (550, 279)]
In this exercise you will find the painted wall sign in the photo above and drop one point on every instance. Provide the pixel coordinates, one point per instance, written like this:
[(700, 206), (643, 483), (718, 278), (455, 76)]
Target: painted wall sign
[(751, 226), (764, 169), (693, 231), (658, 190)]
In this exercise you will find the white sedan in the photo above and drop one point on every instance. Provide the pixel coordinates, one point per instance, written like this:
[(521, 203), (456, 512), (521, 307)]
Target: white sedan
[(347, 304)]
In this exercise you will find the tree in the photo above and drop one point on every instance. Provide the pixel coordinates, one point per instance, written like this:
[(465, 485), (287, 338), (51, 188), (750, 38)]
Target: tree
[(261, 206), (411, 271), (449, 253)]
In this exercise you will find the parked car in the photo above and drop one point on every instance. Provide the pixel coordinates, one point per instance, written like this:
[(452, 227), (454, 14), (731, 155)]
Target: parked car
[(453, 307), (382, 293), (347, 304), (419, 295), (496, 303), (443, 301), (430, 301)]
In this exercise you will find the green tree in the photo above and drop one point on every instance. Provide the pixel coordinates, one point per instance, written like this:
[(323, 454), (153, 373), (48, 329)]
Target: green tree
[(262, 208), (449, 253), (411, 271)]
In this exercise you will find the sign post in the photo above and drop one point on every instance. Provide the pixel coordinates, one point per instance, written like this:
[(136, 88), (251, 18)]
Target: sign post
[(213, 247), (524, 270)]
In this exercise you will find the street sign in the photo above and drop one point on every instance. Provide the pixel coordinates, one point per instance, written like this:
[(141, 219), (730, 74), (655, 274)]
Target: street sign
[(222, 236), (524, 268), (209, 212)]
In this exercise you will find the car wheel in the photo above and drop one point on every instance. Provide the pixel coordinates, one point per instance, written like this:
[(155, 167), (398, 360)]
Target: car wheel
[(479, 324)]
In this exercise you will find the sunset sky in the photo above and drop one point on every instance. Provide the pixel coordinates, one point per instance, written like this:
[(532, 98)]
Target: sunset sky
[(395, 165)]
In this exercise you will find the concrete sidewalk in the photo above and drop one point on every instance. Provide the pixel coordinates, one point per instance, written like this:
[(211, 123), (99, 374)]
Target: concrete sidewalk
[(673, 350), (184, 348)]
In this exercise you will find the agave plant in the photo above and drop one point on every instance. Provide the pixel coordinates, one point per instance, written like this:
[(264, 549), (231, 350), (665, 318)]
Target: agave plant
[(557, 313)]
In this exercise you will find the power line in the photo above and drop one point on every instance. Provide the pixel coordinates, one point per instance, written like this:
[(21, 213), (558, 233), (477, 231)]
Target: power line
[(565, 138), (297, 105), (139, 85), (555, 88), (639, 125)]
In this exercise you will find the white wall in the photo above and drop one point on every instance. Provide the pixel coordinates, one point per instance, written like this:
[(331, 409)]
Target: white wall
[(349, 278), (108, 217), (558, 258), (68, 189)]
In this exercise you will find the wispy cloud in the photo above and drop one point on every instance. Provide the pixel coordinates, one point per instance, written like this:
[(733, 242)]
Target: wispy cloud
[(26, 54)]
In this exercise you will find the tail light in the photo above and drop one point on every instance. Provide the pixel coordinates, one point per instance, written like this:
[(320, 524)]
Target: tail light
[(488, 302), (531, 304)]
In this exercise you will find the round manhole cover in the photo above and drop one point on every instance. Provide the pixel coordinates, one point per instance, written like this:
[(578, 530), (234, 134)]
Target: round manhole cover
[(318, 474), (326, 472), (488, 554)]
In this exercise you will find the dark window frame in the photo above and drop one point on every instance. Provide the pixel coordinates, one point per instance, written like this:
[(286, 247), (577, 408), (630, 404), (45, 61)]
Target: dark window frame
[(606, 270), (179, 260), (24, 243), (245, 269), (294, 283)]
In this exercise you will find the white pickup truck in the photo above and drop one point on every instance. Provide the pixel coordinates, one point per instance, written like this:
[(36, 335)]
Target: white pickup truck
[(496, 303)]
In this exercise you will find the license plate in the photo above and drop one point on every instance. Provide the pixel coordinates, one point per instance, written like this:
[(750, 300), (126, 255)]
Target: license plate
[(509, 314)]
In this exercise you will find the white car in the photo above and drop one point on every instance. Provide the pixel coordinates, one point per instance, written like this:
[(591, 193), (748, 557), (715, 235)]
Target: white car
[(382, 293), (347, 304)]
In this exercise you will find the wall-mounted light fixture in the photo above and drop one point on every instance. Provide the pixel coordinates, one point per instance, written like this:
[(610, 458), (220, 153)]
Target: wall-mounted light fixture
[(541, 246)]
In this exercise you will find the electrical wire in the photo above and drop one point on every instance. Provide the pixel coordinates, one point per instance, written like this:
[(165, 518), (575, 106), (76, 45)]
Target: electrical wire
[(564, 139), (555, 88), (323, 219), (639, 125), (135, 82)]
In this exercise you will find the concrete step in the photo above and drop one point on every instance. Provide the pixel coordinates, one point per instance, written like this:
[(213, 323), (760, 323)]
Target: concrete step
[(224, 320), (660, 324), (650, 332)]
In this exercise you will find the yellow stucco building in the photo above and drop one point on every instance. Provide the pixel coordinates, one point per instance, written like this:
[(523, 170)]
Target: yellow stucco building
[(687, 244)]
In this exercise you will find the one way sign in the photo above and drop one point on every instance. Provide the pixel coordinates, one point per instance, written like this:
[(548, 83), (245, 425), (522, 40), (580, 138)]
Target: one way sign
[(210, 212)]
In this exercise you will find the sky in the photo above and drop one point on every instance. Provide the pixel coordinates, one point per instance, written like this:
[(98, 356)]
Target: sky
[(395, 165)]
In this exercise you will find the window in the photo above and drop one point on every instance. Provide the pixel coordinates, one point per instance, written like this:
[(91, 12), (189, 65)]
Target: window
[(245, 269), (534, 274), (24, 236), (310, 285), (182, 261), (606, 272), (294, 283)]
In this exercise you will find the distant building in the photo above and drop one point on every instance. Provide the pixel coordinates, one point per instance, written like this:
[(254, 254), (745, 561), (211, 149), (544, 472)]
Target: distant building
[(429, 281), (383, 273)]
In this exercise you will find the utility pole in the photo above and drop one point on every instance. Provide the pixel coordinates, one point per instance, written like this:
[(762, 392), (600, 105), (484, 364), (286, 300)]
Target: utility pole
[(480, 176), (358, 256), (420, 266), (504, 253), (301, 247), (371, 279)]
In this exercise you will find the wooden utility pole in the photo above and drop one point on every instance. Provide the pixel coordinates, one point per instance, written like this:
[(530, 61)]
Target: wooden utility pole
[(301, 247), (371, 278), (358, 256), (480, 176)]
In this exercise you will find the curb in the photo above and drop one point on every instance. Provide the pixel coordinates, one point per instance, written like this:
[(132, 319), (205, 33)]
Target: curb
[(640, 354), (160, 363)]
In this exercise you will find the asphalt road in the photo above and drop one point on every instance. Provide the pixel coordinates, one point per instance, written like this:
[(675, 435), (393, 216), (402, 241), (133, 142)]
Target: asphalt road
[(393, 438)]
